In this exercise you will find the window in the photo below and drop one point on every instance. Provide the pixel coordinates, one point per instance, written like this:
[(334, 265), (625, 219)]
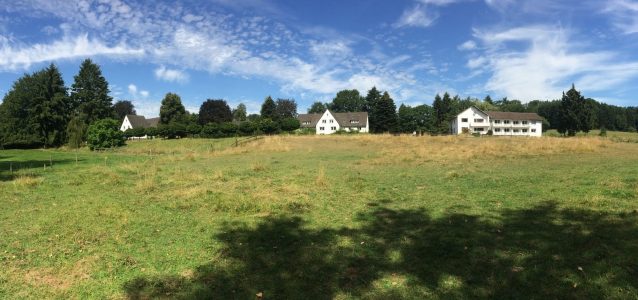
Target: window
[(306, 122), (506, 130), (333, 128), (506, 122), (332, 121), (533, 122), (533, 130), (359, 128), (478, 120), (515, 122), (323, 121), (524, 130), (322, 128), (524, 122), (497, 130), (464, 120), (497, 121), (516, 130), (354, 121), (478, 129)]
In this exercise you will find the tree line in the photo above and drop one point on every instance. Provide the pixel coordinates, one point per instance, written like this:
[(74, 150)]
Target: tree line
[(40, 111)]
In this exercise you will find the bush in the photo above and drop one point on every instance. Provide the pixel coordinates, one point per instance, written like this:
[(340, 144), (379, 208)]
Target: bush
[(603, 131), (247, 128), (289, 124), (228, 129), (151, 132), (172, 130), (210, 130), (268, 126), (193, 129), (306, 131), (105, 134), (490, 132)]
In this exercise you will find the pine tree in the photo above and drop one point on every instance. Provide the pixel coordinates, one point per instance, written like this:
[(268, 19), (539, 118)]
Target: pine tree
[(90, 93), (385, 115), (269, 109), (373, 97), (172, 109), (51, 108), (442, 112), (576, 114)]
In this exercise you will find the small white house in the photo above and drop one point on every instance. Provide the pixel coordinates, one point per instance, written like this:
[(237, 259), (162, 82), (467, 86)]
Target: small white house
[(474, 120), (329, 122), (133, 121)]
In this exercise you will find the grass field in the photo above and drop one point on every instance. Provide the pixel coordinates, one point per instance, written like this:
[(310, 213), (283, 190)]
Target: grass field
[(345, 217)]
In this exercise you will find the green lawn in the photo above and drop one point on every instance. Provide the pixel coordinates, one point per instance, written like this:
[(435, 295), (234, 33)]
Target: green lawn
[(343, 217)]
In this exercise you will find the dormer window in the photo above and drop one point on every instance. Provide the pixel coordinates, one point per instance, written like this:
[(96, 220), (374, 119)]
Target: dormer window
[(354, 121), (306, 122)]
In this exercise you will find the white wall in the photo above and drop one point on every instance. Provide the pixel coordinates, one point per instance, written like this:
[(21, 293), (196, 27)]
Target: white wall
[(327, 124), (126, 124), (471, 114)]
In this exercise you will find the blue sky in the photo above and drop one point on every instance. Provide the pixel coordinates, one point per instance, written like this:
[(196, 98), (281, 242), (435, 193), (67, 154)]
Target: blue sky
[(244, 50)]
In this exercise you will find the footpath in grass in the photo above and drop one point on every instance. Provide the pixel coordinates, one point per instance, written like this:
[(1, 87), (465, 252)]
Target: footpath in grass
[(323, 217)]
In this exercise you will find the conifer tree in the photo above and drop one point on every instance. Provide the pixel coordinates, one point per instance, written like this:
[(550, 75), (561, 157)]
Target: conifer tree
[(385, 115), (269, 109), (90, 93)]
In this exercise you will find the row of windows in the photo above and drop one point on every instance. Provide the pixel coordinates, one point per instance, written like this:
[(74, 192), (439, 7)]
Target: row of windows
[(514, 130), (464, 120), (324, 128), (324, 121)]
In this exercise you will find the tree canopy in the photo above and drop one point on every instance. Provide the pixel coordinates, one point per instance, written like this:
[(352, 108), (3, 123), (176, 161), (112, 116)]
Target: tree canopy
[(348, 101), (172, 109), (214, 111), (90, 93), (123, 108), (317, 108), (269, 109)]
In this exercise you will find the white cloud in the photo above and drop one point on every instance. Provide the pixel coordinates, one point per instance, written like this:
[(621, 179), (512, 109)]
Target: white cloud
[(14, 57), (135, 94), (417, 16), (468, 45), (171, 75), (547, 64), (624, 13)]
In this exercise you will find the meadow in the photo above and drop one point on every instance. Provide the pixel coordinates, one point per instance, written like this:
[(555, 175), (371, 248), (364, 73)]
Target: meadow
[(323, 217)]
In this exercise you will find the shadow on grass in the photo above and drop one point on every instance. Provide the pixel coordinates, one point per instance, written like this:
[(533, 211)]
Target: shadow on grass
[(543, 252), (9, 168)]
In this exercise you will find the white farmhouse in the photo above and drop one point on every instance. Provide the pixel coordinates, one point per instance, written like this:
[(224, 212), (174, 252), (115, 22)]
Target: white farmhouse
[(133, 121), (329, 122), (474, 120)]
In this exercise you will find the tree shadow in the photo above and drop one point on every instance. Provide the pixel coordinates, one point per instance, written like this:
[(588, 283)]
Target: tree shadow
[(10, 168), (542, 252)]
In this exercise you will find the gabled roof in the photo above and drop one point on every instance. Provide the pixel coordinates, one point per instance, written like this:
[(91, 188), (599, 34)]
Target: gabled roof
[(312, 118), (345, 119), (504, 115), (142, 122)]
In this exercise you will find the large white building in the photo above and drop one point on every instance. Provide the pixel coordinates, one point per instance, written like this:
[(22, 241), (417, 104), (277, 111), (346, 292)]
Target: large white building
[(329, 122), (474, 120)]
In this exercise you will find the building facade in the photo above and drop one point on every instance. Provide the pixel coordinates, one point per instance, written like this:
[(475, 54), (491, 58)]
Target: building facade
[(133, 121), (474, 120), (329, 122)]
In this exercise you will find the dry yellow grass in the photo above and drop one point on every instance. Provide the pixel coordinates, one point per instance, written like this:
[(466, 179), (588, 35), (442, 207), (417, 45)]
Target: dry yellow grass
[(27, 181)]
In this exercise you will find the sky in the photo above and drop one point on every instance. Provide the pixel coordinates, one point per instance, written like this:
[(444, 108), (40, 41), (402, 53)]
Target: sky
[(245, 50)]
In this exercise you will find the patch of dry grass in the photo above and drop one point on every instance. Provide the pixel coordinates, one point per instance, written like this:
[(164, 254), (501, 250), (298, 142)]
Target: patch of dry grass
[(27, 181)]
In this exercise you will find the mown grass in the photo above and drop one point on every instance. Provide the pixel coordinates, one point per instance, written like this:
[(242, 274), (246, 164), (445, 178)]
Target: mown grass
[(323, 217)]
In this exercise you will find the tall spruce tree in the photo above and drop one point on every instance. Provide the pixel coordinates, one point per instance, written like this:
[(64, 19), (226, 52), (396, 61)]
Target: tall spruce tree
[(90, 93), (442, 112), (372, 98), (269, 109), (35, 111), (172, 109), (385, 115), (576, 114)]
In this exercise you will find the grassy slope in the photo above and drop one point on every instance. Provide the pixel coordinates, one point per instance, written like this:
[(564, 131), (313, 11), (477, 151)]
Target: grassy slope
[(324, 217)]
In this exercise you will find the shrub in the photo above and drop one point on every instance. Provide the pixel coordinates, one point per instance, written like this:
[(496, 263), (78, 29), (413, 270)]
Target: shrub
[(490, 132), (172, 130), (193, 129), (247, 128), (210, 130), (76, 131), (105, 134), (151, 131), (268, 126), (228, 129), (603, 131), (289, 124)]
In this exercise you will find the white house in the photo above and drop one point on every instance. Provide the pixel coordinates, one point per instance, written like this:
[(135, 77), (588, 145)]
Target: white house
[(133, 121), (474, 120), (329, 122)]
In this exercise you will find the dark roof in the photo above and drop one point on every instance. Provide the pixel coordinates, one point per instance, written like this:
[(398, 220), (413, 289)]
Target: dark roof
[(312, 118), (343, 119), (142, 122), (504, 115)]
